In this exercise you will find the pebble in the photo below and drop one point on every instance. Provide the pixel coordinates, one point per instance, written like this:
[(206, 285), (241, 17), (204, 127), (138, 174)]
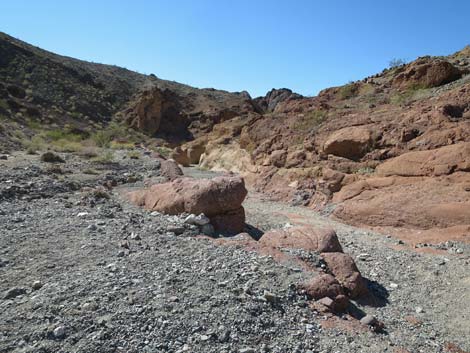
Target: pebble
[(270, 297), (59, 332), (419, 310), (135, 236), (92, 227), (393, 285), (37, 285)]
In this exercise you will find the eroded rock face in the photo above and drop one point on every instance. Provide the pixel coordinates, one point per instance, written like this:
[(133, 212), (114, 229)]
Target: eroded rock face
[(351, 142), (441, 161), (427, 72), (272, 99), (189, 153), (219, 198), (145, 112), (307, 238)]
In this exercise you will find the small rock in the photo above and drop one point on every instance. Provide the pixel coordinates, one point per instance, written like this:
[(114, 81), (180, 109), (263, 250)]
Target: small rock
[(4, 157), (135, 236), (419, 310), (199, 220), (121, 253), (14, 292), (82, 214), (173, 299), (369, 320), (59, 332), (327, 301), (37, 285), (92, 227), (270, 297), (393, 285)]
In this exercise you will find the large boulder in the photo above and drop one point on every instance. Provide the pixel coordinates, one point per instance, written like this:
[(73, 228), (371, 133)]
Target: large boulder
[(219, 198), (343, 267), (440, 161), (307, 238), (427, 72), (350, 142)]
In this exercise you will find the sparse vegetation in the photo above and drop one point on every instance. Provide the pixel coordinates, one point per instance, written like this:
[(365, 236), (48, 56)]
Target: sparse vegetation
[(104, 158), (311, 120), (395, 62), (407, 96), (348, 91), (164, 151)]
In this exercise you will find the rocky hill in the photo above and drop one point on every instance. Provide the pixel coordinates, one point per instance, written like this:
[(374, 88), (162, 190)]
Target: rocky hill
[(42, 89), (391, 150)]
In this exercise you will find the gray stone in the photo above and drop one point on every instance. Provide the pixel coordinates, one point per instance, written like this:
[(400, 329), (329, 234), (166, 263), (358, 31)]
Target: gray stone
[(37, 285), (59, 332)]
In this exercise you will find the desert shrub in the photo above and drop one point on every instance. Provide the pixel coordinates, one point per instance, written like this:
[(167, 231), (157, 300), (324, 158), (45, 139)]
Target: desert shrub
[(62, 134), (310, 120), (133, 155), (64, 145), (365, 171), (121, 145), (102, 138), (164, 151), (395, 62), (348, 91), (104, 158), (408, 95), (36, 143)]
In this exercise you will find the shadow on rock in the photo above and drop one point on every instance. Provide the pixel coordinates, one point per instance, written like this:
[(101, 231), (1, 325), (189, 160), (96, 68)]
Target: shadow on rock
[(377, 295)]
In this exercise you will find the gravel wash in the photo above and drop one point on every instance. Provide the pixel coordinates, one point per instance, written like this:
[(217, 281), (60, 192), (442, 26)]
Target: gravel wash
[(85, 271)]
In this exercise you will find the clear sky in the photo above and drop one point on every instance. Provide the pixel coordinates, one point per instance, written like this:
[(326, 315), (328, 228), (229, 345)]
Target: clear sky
[(236, 45)]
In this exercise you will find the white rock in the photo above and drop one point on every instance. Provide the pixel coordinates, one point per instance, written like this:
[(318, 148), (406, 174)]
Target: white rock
[(59, 332), (199, 220), (82, 214)]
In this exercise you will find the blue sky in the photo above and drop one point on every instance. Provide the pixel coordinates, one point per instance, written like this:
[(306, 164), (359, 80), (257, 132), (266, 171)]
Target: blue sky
[(256, 45)]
